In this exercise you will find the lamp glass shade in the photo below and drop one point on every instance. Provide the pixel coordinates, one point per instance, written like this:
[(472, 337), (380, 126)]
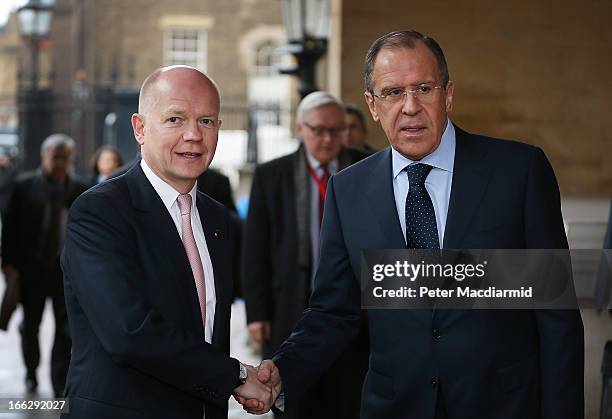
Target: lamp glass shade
[(43, 22), (293, 16), (317, 18), (27, 18), (35, 19)]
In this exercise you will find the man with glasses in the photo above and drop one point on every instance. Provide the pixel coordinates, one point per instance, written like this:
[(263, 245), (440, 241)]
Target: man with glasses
[(282, 244), (436, 187)]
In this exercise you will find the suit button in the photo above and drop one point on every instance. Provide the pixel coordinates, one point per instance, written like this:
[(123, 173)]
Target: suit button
[(434, 382), (436, 334)]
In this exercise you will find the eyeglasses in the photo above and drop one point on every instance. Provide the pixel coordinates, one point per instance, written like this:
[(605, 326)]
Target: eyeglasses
[(320, 131), (424, 93)]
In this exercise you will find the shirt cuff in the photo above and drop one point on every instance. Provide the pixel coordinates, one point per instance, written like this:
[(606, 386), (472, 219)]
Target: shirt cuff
[(280, 402)]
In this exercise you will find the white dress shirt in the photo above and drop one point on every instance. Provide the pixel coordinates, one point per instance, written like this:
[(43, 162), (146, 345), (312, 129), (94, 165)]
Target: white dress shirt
[(169, 197), (438, 183)]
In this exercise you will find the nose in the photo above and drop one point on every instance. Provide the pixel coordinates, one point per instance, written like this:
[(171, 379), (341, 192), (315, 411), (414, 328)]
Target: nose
[(411, 105), (192, 132), (327, 136)]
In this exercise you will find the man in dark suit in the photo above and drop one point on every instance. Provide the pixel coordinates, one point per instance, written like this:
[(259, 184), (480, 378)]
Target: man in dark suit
[(148, 271), (436, 187), (281, 249), (34, 227)]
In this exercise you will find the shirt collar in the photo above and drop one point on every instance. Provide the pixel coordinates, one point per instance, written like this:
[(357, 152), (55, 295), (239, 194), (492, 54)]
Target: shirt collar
[(443, 157), (332, 166), (166, 192)]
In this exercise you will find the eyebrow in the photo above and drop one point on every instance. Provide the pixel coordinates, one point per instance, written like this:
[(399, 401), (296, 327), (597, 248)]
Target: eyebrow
[(395, 86), (173, 111)]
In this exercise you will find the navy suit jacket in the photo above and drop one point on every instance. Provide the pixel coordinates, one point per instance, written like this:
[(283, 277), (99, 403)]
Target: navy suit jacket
[(138, 339), (498, 364)]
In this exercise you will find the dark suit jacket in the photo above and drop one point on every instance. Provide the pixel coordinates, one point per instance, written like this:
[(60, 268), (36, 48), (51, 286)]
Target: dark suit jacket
[(212, 182), (498, 364), (217, 186), (138, 346), (26, 220), (276, 268)]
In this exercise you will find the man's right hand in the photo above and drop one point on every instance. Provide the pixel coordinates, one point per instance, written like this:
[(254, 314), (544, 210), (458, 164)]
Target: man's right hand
[(269, 375), (255, 396), (260, 331)]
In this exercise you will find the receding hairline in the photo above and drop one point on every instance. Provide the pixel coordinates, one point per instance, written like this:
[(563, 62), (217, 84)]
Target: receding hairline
[(146, 98)]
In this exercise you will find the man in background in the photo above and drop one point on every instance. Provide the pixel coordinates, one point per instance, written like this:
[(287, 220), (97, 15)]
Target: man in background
[(32, 239), (281, 251), (357, 129)]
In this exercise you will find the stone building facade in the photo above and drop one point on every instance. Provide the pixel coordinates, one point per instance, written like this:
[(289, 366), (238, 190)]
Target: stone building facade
[(534, 71), (9, 48), (103, 49)]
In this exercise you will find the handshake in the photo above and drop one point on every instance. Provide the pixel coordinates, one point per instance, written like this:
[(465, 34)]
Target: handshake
[(261, 389)]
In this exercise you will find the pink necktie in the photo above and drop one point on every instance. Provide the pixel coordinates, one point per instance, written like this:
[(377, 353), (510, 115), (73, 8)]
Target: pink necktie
[(184, 203)]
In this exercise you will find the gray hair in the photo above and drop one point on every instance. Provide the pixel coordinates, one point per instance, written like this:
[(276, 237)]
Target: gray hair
[(55, 141), (403, 39), (316, 100)]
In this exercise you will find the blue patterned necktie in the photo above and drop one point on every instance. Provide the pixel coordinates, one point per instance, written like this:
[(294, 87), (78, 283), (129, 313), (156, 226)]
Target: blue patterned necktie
[(421, 226)]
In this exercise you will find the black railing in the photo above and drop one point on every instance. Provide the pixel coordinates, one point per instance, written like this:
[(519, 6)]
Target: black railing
[(88, 123)]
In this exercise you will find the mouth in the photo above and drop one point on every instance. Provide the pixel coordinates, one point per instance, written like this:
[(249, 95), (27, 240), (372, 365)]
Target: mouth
[(413, 130), (190, 156)]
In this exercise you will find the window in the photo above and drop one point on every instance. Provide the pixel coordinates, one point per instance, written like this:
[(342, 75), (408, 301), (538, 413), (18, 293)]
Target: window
[(267, 59), (185, 46)]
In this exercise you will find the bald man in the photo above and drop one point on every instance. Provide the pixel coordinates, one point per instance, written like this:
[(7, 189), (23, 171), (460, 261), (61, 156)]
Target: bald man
[(148, 266)]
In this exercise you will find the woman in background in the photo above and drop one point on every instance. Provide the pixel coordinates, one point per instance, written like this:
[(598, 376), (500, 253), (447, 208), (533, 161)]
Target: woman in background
[(104, 162)]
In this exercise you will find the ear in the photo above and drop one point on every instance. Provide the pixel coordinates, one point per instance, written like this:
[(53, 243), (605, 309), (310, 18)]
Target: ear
[(138, 127), (219, 123), (299, 129), (450, 89), (370, 101)]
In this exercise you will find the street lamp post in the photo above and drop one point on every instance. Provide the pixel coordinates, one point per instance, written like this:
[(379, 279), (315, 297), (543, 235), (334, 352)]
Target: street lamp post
[(34, 25), (307, 24)]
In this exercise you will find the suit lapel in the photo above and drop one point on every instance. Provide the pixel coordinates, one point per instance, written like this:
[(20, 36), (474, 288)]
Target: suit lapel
[(381, 200), (158, 227), (301, 186), (471, 176)]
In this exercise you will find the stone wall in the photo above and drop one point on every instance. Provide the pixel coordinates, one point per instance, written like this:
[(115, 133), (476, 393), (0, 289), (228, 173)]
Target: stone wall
[(538, 72)]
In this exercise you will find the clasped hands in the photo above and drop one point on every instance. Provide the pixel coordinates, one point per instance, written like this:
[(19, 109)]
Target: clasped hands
[(261, 389)]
